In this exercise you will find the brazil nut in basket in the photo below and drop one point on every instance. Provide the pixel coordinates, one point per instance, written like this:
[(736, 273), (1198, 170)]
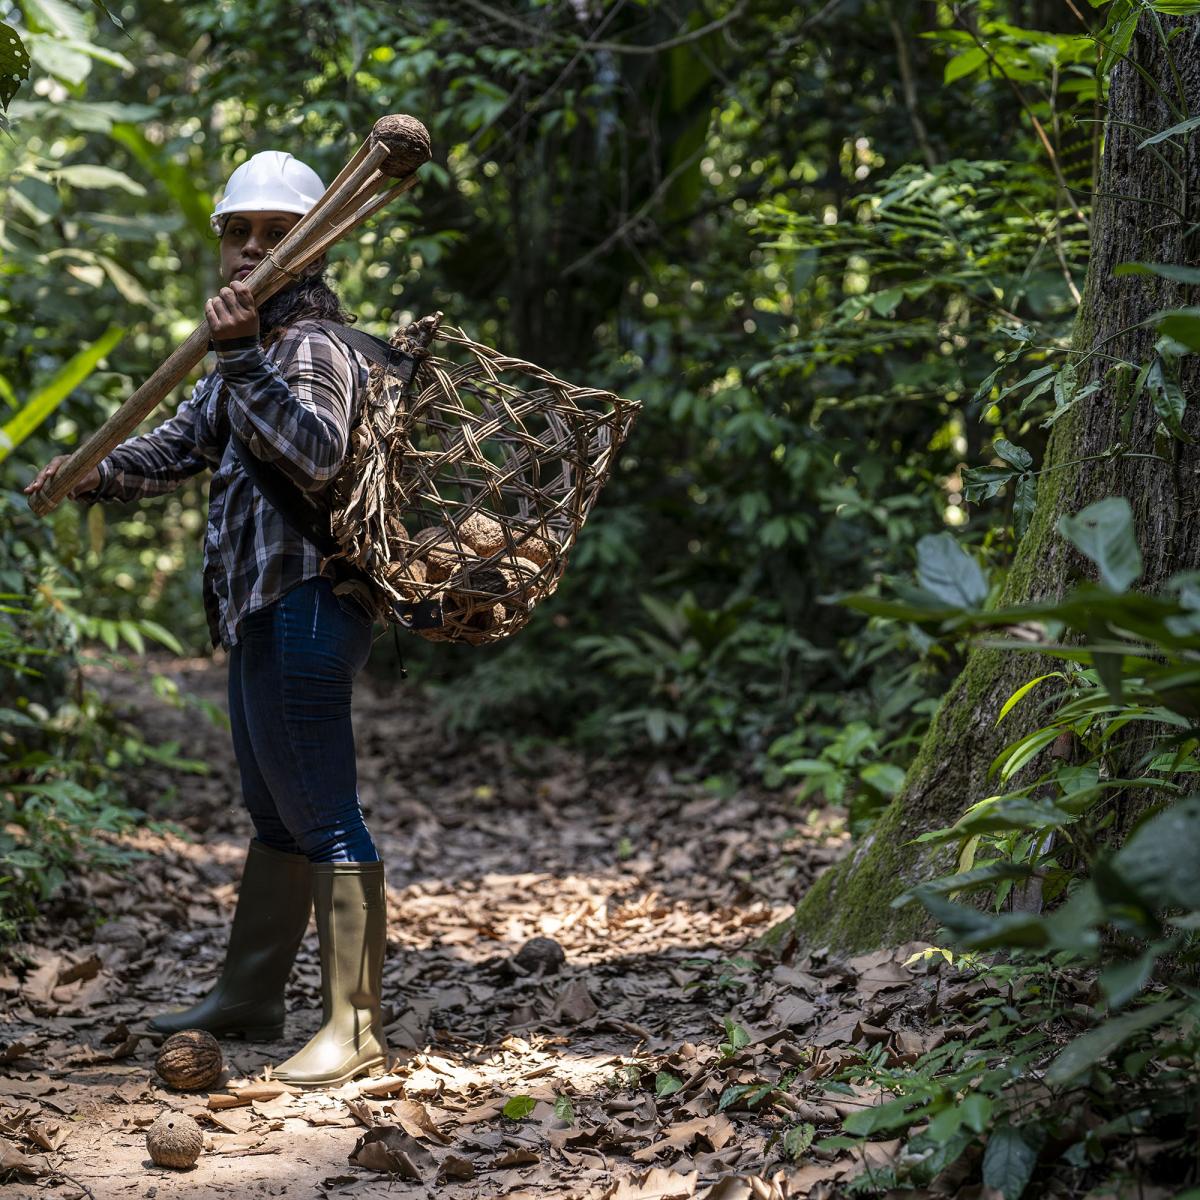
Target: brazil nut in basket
[(467, 481)]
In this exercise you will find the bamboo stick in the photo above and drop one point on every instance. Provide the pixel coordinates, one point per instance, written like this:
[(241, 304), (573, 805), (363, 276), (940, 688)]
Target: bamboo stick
[(396, 148)]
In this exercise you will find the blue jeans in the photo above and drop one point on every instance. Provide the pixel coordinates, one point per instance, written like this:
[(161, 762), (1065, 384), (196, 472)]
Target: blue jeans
[(290, 679)]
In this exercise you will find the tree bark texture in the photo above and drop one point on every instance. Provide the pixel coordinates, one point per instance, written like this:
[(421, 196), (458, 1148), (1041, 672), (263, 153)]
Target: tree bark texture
[(1145, 210)]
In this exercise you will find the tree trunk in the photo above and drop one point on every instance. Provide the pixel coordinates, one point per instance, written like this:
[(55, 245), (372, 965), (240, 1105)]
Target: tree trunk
[(1145, 210)]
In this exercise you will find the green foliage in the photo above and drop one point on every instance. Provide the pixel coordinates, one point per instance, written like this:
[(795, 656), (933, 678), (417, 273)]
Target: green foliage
[(1059, 893), (801, 309), (517, 1108), (64, 759)]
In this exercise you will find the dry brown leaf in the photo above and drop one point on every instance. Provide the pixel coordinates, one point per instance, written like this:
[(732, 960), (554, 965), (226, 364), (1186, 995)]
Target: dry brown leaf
[(385, 1085), (12, 1159), (659, 1183), (574, 1004), (239, 1143), (389, 1149), (46, 1134), (715, 1131), (455, 1167), (362, 1112), (481, 1112), (413, 1117)]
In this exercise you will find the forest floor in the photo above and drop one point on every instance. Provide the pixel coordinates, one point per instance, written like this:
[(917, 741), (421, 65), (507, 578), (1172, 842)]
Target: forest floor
[(667, 1058)]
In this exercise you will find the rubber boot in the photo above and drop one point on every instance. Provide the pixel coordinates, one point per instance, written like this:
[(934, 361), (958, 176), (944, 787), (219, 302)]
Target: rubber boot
[(273, 904), (348, 899)]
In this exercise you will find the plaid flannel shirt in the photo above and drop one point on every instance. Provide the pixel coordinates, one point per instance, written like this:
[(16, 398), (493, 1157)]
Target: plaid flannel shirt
[(298, 420)]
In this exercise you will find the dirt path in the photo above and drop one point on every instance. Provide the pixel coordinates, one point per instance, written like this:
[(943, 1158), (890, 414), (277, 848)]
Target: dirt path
[(651, 884)]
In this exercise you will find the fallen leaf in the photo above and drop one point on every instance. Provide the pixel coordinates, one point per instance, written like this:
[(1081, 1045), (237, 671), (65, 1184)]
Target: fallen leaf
[(413, 1117), (574, 1004), (389, 1149), (12, 1159)]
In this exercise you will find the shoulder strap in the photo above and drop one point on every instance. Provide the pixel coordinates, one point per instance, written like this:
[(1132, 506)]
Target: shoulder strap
[(374, 349), (300, 514), (308, 521)]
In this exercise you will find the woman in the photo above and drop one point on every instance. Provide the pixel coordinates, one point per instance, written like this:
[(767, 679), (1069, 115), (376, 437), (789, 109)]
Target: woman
[(288, 389)]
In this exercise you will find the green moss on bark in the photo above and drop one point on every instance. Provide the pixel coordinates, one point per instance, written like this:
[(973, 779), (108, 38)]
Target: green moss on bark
[(848, 907)]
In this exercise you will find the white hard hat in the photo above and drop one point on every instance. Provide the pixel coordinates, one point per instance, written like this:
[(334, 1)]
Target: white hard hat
[(271, 181)]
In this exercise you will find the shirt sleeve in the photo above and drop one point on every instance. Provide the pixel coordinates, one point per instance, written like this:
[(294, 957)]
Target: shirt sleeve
[(156, 462), (299, 420)]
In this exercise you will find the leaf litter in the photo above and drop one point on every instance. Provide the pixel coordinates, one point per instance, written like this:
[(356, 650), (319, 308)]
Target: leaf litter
[(576, 1003)]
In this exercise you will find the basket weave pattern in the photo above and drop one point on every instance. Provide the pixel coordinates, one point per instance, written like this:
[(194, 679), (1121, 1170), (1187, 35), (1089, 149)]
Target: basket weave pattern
[(472, 484)]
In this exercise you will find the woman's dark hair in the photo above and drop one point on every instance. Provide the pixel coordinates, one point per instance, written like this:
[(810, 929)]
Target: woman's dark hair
[(307, 298)]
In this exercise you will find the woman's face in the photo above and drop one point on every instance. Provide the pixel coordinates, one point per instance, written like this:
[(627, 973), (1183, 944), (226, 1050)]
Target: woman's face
[(247, 238)]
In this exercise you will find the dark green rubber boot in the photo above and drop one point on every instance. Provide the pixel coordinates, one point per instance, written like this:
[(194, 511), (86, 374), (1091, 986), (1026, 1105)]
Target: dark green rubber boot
[(351, 913), (274, 901)]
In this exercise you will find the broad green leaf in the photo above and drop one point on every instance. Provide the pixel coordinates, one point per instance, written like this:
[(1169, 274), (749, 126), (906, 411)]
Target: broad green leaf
[(564, 1110), (52, 393), (884, 777), (1038, 380), (1016, 456), (37, 199), (1012, 758), (14, 63), (1168, 397), (161, 635), (982, 483), (1176, 271), (1182, 325), (1024, 503), (949, 572), (133, 635), (736, 1035), (666, 1084), (1104, 533), (946, 1124), (1023, 691), (1183, 126), (977, 1111), (519, 1107), (125, 283), (965, 880), (55, 16), (93, 175), (731, 1095), (1159, 859), (1097, 1044), (177, 177), (1008, 1162), (964, 64), (62, 59), (1123, 981), (976, 930), (798, 1139), (892, 1115)]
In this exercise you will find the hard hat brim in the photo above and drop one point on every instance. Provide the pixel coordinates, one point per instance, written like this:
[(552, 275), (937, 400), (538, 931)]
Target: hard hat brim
[(221, 212)]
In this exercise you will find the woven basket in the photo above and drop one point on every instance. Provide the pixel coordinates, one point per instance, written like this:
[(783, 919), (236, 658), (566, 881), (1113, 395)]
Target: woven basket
[(471, 485)]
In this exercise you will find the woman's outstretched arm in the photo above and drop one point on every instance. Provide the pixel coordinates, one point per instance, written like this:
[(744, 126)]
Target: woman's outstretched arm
[(149, 465)]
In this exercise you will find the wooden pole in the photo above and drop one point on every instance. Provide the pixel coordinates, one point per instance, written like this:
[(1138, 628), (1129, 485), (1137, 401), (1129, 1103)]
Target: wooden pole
[(344, 205)]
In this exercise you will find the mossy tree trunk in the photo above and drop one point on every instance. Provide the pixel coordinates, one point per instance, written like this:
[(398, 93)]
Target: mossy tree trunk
[(1145, 210)]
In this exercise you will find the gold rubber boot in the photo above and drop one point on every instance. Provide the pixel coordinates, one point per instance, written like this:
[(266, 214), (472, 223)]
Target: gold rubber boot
[(274, 900), (348, 899)]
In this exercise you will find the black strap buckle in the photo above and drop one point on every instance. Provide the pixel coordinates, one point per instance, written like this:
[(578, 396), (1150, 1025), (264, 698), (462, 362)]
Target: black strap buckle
[(419, 614)]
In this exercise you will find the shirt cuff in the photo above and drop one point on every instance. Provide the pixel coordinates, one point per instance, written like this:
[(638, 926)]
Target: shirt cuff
[(97, 493), (236, 355)]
